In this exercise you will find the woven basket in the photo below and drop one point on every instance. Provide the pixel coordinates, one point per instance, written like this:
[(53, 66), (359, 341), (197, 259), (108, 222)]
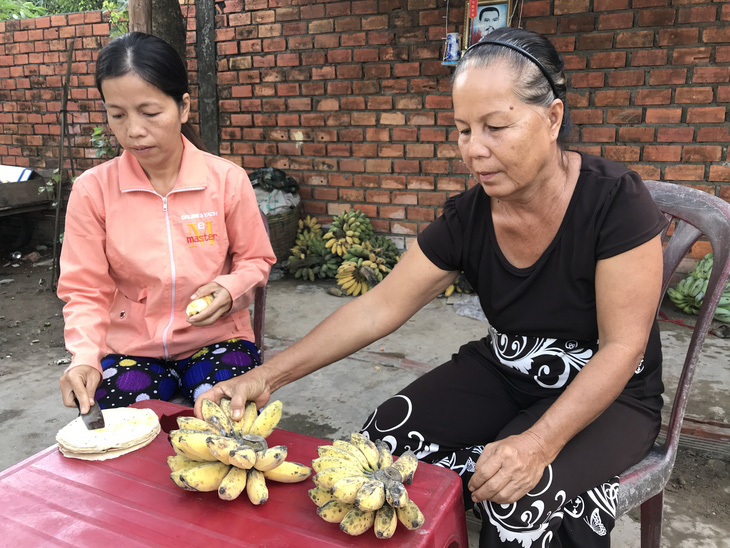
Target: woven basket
[(283, 232)]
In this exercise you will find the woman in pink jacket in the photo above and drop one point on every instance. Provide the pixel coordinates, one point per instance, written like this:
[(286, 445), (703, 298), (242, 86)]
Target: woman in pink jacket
[(147, 232)]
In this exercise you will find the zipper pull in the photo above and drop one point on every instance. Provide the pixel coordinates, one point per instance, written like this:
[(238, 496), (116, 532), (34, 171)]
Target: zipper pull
[(164, 204)]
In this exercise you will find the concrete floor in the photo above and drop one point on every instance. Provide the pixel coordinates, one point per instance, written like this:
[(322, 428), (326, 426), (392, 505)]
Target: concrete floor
[(335, 400)]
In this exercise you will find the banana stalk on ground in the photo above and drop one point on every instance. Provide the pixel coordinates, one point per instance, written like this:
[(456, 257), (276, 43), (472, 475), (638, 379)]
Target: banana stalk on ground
[(359, 485), (689, 293), (230, 457)]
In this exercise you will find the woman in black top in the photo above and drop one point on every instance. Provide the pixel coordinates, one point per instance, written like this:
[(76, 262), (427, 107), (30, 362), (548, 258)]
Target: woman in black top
[(563, 250)]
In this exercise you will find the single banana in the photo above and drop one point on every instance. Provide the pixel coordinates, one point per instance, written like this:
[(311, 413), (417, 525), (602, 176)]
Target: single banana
[(193, 423), (367, 448), (334, 511), (332, 451), (319, 495), (192, 444), (371, 496), (288, 472), (233, 484), (410, 515), (346, 489), (356, 522), (197, 306), (250, 413), (225, 405), (386, 521), (221, 448), (395, 494), (270, 458), (207, 476), (352, 450), (406, 465), (214, 415), (327, 478), (267, 420), (256, 488), (322, 463), (243, 457), (385, 457)]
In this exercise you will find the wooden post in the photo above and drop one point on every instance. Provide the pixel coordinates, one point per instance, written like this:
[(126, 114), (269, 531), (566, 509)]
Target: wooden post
[(140, 16)]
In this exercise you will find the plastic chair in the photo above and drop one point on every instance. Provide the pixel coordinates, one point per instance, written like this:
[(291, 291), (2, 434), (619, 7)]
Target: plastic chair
[(696, 213), (259, 307)]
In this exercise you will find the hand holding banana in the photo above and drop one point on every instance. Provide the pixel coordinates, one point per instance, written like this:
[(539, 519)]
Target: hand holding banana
[(208, 303)]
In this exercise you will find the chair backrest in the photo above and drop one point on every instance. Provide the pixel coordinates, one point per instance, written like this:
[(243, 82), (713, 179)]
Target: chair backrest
[(259, 307), (696, 213)]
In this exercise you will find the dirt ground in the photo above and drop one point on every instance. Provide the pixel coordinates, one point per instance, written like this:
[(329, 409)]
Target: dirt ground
[(31, 325)]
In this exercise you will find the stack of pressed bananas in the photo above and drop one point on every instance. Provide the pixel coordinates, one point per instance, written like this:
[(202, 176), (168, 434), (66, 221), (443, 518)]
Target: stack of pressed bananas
[(348, 228), (220, 454), (359, 486)]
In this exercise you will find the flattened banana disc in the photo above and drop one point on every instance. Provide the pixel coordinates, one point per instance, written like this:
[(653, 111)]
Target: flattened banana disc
[(126, 428)]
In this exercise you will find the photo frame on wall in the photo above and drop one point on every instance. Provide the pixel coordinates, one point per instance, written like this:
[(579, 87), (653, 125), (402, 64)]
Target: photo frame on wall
[(487, 16)]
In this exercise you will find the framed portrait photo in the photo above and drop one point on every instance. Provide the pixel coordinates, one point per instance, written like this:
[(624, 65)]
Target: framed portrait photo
[(488, 15)]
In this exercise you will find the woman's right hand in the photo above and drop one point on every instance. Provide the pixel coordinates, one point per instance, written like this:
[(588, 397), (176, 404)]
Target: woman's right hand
[(251, 386), (80, 381)]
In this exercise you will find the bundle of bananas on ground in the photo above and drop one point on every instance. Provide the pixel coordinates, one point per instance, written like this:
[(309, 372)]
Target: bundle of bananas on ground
[(310, 258), (348, 228), (384, 247), (690, 291), (359, 486), (355, 279), (217, 453), (460, 285)]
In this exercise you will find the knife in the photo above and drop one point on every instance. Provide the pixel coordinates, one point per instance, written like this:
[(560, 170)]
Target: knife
[(94, 419)]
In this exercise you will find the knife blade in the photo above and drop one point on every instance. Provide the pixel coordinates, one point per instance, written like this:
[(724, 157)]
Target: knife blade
[(94, 419)]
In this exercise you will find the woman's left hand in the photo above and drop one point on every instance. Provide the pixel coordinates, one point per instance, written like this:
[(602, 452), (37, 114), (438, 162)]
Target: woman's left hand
[(508, 469), (221, 304)]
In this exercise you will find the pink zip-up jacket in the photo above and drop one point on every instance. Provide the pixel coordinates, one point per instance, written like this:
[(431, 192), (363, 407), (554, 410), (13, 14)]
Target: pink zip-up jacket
[(131, 259)]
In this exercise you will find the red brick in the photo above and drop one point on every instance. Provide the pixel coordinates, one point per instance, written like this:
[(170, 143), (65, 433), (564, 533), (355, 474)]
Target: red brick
[(588, 80), (723, 94), (598, 135), (570, 6), (636, 134), (711, 74), (719, 173), (612, 98), (662, 153), (586, 116), (675, 135), (611, 59), (420, 214), (719, 134), (622, 153), (684, 173), (706, 115), (656, 17), (677, 37), (691, 56), (653, 97), (546, 26), (694, 95), (393, 212), (378, 196), (626, 78), (667, 77), (595, 41), (635, 39), (720, 34), (701, 154), (698, 14), (648, 57)]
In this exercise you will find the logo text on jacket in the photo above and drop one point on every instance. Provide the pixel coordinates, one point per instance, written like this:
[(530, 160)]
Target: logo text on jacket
[(200, 233)]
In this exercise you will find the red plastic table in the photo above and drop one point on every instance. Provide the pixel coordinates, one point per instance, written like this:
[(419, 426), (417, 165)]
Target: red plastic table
[(51, 500)]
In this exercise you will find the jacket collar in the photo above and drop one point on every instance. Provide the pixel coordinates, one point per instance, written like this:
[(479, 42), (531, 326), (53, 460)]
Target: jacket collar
[(193, 171)]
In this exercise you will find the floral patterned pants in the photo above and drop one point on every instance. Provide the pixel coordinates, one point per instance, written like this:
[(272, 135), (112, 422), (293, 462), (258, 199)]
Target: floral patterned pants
[(448, 415)]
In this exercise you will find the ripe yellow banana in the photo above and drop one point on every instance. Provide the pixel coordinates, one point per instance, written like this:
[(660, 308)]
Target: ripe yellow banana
[(221, 448), (232, 484), (332, 451), (192, 444), (270, 458), (197, 306), (243, 426), (322, 463), (352, 450), (214, 415), (327, 478), (367, 448), (334, 511), (178, 463), (385, 521), (265, 423), (288, 472), (193, 423), (346, 489), (410, 515), (256, 488), (356, 522), (371, 496), (243, 457), (385, 458), (406, 465), (320, 495), (396, 494), (207, 476)]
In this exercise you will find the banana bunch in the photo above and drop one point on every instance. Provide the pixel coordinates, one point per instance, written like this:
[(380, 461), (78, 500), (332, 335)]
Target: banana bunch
[(690, 291), (348, 228), (359, 486), (356, 277), (384, 247), (309, 258), (217, 453), (460, 285)]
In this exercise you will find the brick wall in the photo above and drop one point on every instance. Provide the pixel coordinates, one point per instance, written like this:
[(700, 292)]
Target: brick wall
[(351, 98)]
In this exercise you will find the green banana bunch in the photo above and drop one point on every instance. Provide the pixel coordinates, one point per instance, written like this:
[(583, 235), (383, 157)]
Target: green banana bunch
[(359, 486), (310, 258), (690, 291), (349, 228)]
